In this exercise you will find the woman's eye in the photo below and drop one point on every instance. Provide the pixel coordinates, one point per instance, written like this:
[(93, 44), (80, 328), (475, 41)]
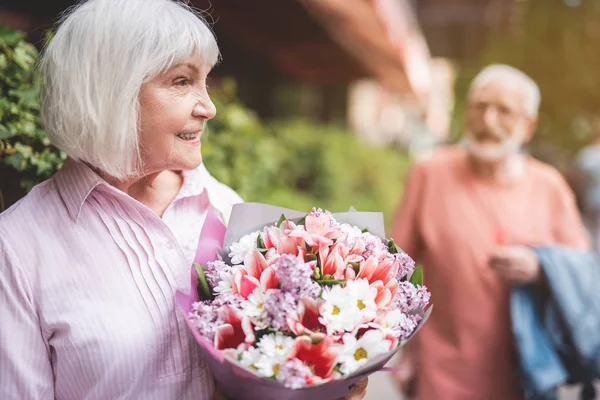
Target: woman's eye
[(182, 82)]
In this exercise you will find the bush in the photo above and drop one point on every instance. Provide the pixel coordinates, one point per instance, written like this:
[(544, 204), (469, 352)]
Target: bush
[(300, 164), (295, 164), (24, 146)]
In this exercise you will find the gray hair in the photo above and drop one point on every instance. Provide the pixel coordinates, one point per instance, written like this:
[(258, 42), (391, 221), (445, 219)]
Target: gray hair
[(506, 73), (101, 54)]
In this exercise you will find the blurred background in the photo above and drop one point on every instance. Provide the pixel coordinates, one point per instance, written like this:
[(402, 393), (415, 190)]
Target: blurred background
[(327, 102)]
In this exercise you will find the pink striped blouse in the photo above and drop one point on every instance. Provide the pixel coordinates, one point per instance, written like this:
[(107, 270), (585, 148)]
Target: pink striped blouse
[(87, 283)]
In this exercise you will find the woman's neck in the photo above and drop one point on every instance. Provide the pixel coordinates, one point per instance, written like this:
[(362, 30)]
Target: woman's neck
[(156, 190)]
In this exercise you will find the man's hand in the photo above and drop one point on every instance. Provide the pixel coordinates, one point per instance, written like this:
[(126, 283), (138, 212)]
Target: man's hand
[(517, 264), (406, 376), (358, 390)]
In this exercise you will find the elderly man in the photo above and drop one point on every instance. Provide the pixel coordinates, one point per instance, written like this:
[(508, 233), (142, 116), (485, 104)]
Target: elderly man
[(464, 212)]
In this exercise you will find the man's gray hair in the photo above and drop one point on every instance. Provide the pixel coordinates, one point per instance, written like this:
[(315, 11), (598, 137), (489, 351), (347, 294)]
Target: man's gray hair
[(93, 68), (506, 73)]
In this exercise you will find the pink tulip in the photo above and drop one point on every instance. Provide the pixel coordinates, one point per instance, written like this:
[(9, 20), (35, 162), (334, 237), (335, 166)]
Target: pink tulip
[(334, 265), (317, 231), (255, 263), (320, 357), (288, 245), (385, 293), (307, 321), (234, 331), (375, 270), (268, 279), (363, 328), (245, 284)]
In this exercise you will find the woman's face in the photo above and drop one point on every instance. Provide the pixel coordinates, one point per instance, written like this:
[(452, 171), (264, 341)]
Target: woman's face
[(174, 109)]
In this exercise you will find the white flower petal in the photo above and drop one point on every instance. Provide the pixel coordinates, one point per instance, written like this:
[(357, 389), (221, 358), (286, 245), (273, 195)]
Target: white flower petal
[(238, 250)]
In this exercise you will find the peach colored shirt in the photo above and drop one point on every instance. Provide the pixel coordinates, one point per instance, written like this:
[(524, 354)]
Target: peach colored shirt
[(447, 222)]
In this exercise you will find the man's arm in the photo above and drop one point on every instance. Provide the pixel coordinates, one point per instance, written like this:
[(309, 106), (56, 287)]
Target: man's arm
[(568, 227)]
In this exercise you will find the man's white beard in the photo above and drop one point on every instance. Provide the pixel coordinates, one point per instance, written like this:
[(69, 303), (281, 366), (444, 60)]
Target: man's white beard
[(493, 152)]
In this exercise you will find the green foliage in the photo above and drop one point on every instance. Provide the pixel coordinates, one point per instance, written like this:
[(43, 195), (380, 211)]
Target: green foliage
[(556, 45), (299, 164), (417, 277), (295, 164), (24, 145)]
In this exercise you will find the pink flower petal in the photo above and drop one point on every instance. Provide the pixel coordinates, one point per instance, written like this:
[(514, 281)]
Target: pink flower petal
[(234, 331), (268, 279), (247, 285), (320, 357), (255, 263)]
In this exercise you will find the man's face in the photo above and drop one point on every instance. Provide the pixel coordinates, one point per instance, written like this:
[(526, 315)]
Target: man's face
[(497, 124)]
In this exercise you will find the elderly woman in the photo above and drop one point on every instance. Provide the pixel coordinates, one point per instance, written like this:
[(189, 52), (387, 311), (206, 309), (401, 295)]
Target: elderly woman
[(91, 259)]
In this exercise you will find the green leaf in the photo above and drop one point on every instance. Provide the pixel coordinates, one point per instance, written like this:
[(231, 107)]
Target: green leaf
[(392, 248), (23, 58), (365, 230), (331, 282), (301, 221), (417, 276), (15, 160), (10, 36), (258, 334), (3, 61), (260, 243), (4, 132), (355, 266), (282, 219), (204, 290)]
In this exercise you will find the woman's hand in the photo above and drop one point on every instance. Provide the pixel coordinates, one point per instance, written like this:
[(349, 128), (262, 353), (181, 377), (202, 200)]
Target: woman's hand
[(358, 390)]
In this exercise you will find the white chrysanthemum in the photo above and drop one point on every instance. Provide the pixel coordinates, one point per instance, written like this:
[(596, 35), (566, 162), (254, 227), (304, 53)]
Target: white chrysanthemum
[(354, 353), (275, 349), (338, 310), (276, 345), (389, 323), (254, 308), (352, 233), (362, 296), (225, 285), (269, 366), (238, 250), (250, 357)]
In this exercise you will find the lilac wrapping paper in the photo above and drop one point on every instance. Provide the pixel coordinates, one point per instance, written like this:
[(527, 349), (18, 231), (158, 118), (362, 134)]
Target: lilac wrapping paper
[(236, 381)]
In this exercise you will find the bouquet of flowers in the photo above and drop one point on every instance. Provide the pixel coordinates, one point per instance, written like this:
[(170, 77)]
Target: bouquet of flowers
[(304, 306)]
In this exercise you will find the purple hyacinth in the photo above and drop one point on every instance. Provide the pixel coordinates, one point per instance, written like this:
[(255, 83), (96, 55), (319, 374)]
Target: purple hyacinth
[(213, 270), (407, 325), (410, 297), (407, 265), (295, 277), (312, 290), (279, 305), (205, 317), (231, 299), (293, 374)]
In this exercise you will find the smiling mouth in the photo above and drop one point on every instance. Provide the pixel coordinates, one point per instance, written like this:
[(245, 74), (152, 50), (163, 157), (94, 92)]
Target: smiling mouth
[(189, 136)]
